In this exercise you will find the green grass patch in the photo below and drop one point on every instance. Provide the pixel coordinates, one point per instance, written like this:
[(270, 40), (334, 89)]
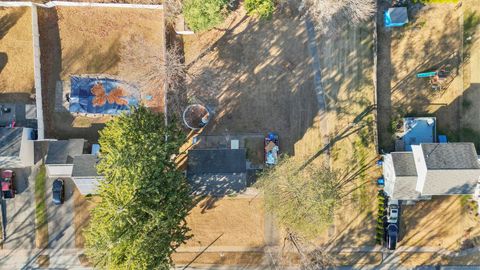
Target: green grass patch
[(41, 222), (471, 20)]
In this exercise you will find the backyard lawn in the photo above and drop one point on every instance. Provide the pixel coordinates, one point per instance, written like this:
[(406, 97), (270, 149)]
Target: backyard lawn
[(16, 52), (95, 42)]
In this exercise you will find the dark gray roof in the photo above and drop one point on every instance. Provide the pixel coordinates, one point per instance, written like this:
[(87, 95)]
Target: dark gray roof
[(442, 156), (63, 152), (404, 164), (217, 161), (85, 165), (10, 142)]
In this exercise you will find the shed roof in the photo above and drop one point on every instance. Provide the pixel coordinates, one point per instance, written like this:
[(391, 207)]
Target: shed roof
[(10, 142), (63, 152), (217, 161), (443, 156), (85, 166)]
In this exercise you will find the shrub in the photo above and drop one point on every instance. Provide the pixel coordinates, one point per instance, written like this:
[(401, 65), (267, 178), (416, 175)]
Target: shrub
[(262, 8), (204, 14)]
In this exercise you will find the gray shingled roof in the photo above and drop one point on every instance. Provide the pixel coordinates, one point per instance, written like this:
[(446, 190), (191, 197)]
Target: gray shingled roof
[(63, 152), (85, 166), (217, 161), (444, 156), (404, 164), (404, 188), (10, 142)]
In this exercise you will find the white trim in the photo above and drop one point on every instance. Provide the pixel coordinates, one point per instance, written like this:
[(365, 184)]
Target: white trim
[(37, 74), (78, 4), (16, 4)]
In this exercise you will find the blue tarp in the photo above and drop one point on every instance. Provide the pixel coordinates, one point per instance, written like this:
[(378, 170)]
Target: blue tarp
[(81, 96), (395, 17)]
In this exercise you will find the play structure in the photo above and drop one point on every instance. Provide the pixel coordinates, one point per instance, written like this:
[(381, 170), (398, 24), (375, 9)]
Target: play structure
[(271, 149), (395, 17), (196, 116), (437, 77)]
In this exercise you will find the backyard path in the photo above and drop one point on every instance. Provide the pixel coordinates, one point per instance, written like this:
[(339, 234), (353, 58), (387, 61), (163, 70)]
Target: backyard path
[(317, 80)]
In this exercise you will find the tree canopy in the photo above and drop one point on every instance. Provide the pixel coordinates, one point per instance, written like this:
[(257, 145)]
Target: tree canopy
[(204, 14), (140, 219), (303, 201)]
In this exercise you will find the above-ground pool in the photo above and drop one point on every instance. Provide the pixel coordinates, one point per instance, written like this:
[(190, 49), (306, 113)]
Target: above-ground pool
[(101, 95), (418, 130)]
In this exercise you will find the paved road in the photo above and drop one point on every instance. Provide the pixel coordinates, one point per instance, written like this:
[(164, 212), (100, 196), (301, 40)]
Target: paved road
[(60, 218), (20, 212)]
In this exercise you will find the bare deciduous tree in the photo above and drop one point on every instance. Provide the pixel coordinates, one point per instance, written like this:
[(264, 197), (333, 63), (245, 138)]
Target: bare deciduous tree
[(172, 8), (151, 68), (333, 14)]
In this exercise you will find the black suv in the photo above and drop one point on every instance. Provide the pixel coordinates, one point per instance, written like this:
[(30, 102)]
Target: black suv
[(392, 231), (58, 191)]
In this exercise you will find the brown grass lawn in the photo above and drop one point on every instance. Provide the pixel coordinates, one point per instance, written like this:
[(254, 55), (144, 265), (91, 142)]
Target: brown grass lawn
[(258, 77), (93, 39), (79, 41), (16, 50), (237, 222), (82, 207), (442, 222)]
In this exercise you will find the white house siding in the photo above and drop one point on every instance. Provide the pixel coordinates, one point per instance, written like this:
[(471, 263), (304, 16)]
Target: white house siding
[(87, 185), (26, 148), (64, 170), (388, 173), (421, 166)]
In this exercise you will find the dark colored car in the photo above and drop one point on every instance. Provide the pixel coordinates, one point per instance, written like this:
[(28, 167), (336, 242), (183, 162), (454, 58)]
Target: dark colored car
[(8, 186), (392, 236), (58, 191)]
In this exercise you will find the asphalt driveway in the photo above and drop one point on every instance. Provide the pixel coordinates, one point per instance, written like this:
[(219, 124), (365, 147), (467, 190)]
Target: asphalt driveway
[(20, 212), (61, 231)]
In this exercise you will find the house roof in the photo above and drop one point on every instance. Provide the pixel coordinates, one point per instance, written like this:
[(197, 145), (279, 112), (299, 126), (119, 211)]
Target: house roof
[(404, 188), (404, 164), (85, 166), (217, 161), (10, 141), (447, 156), (63, 152)]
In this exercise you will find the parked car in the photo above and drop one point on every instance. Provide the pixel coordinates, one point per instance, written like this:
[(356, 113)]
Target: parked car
[(392, 234), (58, 191), (8, 185), (393, 209)]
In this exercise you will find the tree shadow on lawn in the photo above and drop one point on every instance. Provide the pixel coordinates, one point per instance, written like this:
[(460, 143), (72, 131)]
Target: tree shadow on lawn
[(9, 20), (262, 80)]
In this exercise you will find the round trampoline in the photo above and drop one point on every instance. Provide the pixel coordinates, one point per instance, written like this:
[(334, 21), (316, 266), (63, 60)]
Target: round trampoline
[(196, 116)]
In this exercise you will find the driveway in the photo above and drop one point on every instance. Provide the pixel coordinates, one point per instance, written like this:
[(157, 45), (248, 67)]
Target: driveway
[(61, 230), (20, 212)]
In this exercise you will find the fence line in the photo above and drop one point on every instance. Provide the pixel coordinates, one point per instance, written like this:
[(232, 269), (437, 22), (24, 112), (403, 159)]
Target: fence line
[(78, 4), (37, 73)]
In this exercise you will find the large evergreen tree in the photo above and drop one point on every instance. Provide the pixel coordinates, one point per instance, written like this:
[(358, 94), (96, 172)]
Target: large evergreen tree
[(140, 220)]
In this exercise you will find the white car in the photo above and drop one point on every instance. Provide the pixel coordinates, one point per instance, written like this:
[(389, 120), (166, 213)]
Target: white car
[(392, 216)]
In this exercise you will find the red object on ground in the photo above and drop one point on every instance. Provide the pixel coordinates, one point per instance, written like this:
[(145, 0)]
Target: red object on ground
[(7, 174)]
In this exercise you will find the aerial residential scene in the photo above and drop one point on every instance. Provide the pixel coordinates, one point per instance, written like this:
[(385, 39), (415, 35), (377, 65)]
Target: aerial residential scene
[(240, 134)]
